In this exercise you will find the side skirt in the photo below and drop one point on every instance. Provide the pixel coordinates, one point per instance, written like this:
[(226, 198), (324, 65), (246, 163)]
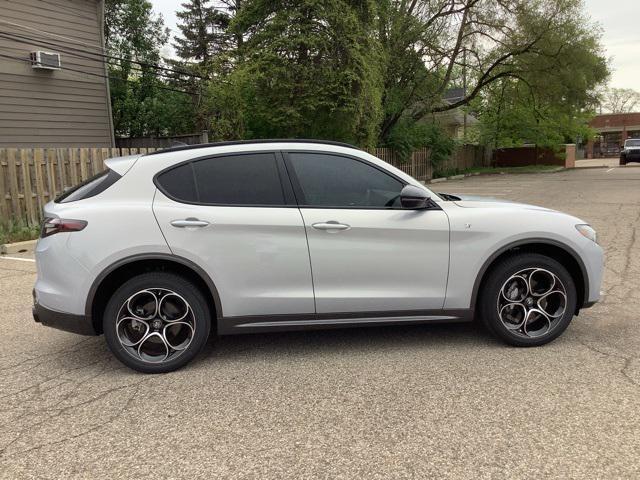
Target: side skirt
[(319, 321)]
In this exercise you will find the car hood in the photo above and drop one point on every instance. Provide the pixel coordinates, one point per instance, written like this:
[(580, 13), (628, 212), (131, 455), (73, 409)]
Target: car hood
[(474, 201)]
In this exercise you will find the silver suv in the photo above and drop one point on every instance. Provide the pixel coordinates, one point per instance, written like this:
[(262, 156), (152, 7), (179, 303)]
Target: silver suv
[(163, 249)]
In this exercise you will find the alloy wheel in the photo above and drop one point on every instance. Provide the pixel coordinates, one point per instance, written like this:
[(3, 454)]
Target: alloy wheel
[(532, 302), (155, 325)]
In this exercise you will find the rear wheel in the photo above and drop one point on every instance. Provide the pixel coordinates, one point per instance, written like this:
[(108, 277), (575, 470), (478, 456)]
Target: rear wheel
[(528, 300), (156, 322)]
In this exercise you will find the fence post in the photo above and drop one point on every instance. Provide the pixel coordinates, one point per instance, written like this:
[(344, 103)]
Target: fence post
[(25, 160), (38, 159), (204, 137), (13, 181), (84, 174), (570, 155)]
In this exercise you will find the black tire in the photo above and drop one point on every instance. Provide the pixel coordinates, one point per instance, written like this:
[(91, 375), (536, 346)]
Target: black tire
[(623, 161), (491, 296), (198, 316)]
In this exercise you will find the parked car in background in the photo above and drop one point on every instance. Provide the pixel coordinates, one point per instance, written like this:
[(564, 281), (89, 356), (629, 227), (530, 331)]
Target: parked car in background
[(630, 151), (162, 249)]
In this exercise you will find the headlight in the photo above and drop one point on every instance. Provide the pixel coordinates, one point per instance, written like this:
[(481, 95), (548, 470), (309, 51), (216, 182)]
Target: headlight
[(587, 232)]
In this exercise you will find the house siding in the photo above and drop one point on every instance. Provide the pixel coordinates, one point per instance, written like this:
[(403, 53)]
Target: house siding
[(59, 108)]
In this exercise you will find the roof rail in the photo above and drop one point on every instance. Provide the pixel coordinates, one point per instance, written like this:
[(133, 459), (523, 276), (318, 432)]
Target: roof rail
[(249, 142)]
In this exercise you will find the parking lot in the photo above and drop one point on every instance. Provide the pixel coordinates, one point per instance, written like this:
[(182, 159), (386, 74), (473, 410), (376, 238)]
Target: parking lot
[(397, 402)]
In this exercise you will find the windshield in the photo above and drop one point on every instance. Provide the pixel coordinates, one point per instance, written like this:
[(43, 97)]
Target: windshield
[(632, 143)]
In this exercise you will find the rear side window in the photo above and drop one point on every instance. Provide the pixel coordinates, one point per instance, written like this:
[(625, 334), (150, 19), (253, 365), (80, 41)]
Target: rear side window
[(90, 187), (250, 179)]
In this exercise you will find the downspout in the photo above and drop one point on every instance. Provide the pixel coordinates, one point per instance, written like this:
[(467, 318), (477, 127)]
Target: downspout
[(106, 72)]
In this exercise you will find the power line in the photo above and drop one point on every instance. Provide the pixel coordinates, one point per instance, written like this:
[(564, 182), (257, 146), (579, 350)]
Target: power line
[(108, 77), (16, 37), (78, 55), (49, 34)]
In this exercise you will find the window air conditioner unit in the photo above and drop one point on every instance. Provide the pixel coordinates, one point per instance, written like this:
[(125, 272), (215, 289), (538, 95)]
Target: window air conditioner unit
[(45, 60)]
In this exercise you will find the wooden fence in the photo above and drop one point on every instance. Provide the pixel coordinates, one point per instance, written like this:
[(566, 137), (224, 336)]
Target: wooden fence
[(530, 155), (418, 166), (31, 177)]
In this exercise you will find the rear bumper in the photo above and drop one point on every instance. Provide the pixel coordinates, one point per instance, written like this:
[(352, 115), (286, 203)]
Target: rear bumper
[(630, 157), (63, 321)]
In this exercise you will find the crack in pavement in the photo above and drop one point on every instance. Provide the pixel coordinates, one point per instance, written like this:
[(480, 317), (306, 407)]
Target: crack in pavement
[(626, 359), (111, 419)]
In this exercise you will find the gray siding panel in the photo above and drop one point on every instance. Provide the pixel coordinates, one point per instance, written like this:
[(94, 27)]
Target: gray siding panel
[(53, 108)]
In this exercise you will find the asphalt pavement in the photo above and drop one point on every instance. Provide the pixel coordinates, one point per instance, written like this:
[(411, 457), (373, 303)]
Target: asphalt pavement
[(441, 401)]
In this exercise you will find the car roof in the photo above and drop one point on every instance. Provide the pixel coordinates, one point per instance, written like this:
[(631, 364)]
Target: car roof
[(252, 142)]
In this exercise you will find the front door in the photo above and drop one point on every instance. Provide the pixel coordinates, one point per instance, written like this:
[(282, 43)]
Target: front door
[(367, 253), (230, 215)]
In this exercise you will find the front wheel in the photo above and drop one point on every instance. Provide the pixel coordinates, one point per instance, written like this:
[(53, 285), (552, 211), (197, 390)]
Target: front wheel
[(528, 300), (156, 322)]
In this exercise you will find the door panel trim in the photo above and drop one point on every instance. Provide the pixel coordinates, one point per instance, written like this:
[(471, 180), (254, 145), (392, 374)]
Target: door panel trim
[(291, 322)]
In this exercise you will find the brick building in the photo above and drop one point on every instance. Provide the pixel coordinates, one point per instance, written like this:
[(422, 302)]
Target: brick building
[(612, 130)]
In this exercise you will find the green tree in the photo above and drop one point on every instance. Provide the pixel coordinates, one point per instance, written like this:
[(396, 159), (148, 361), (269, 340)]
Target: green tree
[(550, 93), (308, 68), (142, 101), (204, 29), (431, 46)]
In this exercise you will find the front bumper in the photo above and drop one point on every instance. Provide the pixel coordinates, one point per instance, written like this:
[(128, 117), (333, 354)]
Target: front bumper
[(63, 321)]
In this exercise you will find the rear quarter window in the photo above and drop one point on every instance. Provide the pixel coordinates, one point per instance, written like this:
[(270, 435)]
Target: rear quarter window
[(179, 183), (90, 187)]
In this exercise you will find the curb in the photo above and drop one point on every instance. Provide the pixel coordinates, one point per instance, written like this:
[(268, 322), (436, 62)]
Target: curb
[(475, 174), (18, 247), (591, 167)]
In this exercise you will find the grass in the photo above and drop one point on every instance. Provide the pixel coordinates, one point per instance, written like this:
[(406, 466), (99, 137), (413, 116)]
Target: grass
[(489, 170), (13, 230)]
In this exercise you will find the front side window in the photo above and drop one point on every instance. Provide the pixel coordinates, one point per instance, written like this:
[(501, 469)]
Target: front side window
[(327, 180), (243, 179)]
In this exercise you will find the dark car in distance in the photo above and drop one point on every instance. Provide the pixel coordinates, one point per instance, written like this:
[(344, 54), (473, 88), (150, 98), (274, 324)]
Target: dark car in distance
[(630, 151)]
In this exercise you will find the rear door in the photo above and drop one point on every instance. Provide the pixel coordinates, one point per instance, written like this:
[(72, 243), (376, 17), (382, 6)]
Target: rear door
[(235, 217), (367, 253)]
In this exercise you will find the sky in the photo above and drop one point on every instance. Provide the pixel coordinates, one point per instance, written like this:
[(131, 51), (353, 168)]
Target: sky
[(619, 19)]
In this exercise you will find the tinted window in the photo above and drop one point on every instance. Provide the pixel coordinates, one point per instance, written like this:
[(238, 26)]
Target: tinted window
[(335, 181), (251, 179), (90, 187), (179, 183)]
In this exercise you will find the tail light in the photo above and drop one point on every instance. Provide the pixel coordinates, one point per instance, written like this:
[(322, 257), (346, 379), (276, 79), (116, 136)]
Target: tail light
[(51, 226)]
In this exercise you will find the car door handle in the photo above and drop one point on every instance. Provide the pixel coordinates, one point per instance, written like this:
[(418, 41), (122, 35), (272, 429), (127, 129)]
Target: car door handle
[(331, 225), (189, 222)]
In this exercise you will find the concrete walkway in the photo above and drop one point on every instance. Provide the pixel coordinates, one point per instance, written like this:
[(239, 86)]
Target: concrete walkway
[(598, 162)]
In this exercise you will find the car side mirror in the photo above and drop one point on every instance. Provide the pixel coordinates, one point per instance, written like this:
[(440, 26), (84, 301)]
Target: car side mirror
[(414, 198)]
